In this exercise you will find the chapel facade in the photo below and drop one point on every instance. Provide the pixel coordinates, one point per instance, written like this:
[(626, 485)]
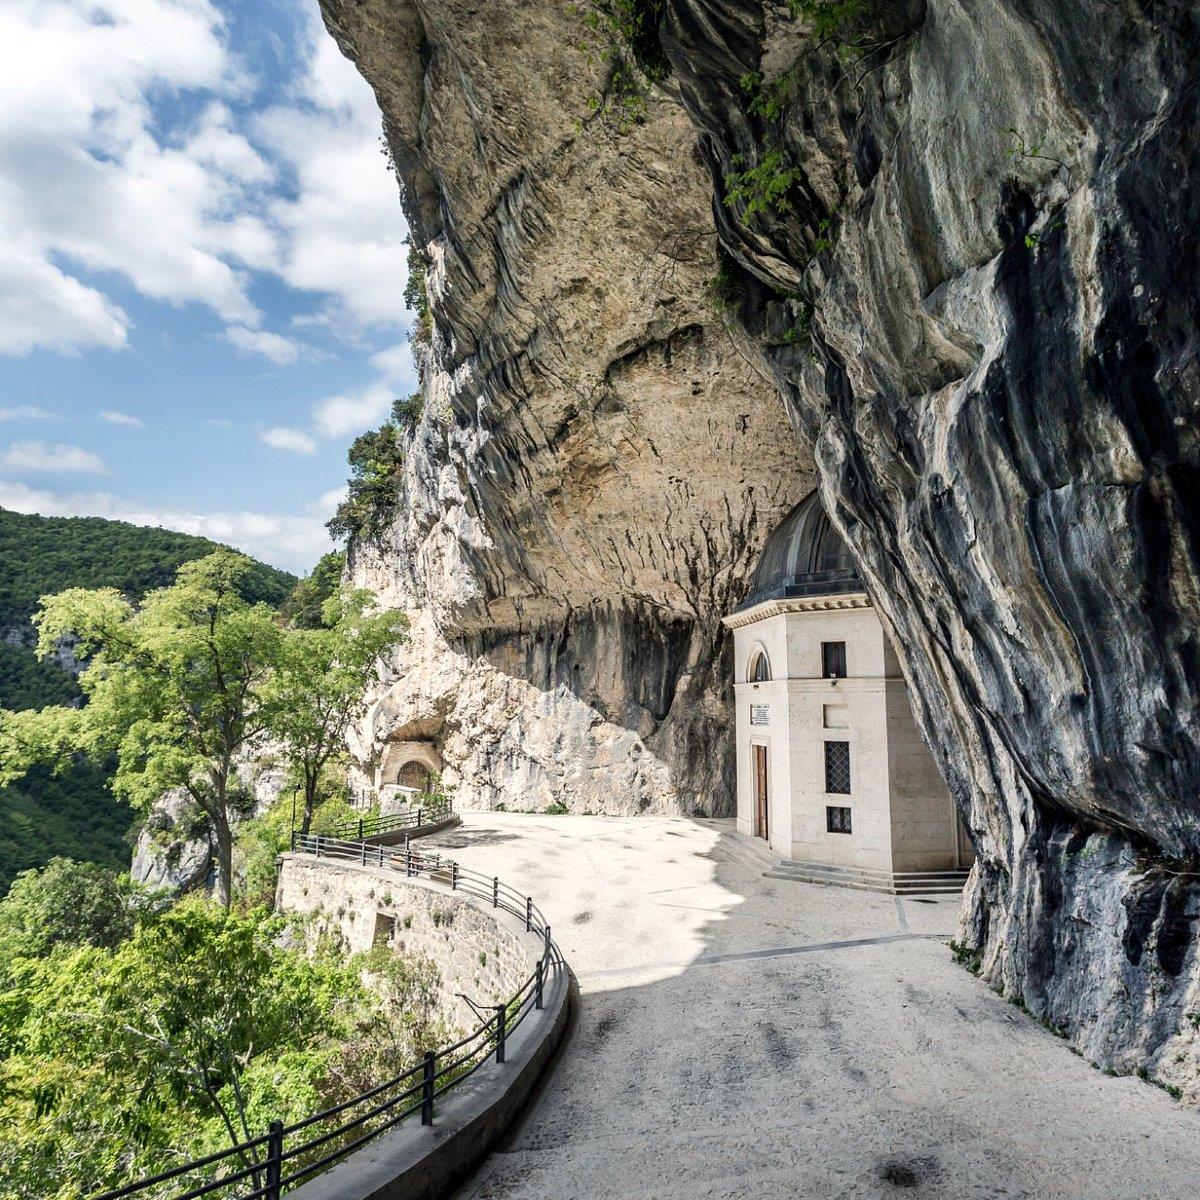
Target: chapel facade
[(832, 771)]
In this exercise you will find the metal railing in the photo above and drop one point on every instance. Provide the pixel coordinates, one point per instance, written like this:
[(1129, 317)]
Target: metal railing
[(432, 808), (287, 1155)]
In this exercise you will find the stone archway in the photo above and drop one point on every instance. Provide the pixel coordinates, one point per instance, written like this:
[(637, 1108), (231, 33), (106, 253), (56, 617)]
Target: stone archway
[(409, 764)]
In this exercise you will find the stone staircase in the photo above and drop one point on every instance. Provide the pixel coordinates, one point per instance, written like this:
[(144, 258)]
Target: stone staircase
[(892, 883)]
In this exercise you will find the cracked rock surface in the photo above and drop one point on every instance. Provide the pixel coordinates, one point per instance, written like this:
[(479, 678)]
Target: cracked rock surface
[(599, 460)]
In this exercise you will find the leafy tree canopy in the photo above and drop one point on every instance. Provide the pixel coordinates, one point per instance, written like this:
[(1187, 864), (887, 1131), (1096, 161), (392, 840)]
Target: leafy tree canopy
[(174, 689), (320, 680), (303, 606), (68, 903), (199, 1029)]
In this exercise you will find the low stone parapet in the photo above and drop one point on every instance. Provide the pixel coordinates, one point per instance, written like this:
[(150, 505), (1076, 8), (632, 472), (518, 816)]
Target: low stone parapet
[(482, 951)]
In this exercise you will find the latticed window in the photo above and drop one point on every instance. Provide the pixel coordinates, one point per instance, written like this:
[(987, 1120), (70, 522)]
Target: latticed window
[(760, 672), (837, 819), (837, 767)]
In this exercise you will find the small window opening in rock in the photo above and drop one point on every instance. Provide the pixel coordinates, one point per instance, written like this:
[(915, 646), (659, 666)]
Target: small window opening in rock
[(385, 927)]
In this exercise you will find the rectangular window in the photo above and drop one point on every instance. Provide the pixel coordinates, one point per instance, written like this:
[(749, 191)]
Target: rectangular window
[(385, 929), (836, 716), (837, 767), (837, 820), (833, 660)]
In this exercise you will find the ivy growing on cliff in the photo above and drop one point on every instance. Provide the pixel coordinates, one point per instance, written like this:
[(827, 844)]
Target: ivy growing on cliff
[(416, 298), (622, 35), (376, 461)]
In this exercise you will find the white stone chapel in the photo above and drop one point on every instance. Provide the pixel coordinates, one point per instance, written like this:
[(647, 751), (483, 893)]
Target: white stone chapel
[(831, 769)]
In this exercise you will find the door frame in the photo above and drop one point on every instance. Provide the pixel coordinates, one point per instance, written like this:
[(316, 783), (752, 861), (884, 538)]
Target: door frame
[(761, 790)]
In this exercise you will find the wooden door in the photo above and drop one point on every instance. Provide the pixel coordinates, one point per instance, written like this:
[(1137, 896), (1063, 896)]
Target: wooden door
[(760, 791)]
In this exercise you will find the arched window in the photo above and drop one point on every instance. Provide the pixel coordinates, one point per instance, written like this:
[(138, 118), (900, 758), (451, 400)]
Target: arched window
[(760, 668)]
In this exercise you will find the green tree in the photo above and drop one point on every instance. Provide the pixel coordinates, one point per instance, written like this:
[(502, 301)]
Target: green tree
[(175, 688), (203, 1026), (376, 476), (69, 903), (303, 607), (320, 680), (187, 1037)]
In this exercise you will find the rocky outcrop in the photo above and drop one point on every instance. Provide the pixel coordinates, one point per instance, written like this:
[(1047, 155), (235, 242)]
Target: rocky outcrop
[(175, 850), (598, 461), (962, 246), (986, 231)]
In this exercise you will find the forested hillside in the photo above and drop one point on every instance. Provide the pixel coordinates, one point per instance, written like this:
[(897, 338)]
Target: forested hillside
[(75, 814)]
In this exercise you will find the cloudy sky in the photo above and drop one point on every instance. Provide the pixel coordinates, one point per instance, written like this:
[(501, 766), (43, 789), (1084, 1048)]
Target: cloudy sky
[(201, 267)]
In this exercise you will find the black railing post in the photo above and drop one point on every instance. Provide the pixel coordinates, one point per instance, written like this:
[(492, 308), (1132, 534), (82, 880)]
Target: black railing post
[(547, 943), (293, 841), (537, 984), (427, 1080), (495, 891), (454, 877), (381, 854), (360, 827), (317, 850), (362, 850), (274, 1162), (501, 1013), (528, 913), (420, 813)]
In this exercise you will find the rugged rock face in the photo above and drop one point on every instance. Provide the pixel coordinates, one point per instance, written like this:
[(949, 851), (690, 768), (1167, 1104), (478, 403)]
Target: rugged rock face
[(988, 228), (965, 251), (598, 461), (174, 850)]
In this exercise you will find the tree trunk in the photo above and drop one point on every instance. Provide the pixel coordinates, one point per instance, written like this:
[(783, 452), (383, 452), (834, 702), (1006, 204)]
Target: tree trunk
[(224, 837), (310, 801)]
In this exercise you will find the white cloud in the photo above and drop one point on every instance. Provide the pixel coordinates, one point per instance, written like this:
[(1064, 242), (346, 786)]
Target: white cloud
[(352, 413), (24, 412), (329, 500), (40, 456), (119, 418), (93, 179), (343, 232), (272, 346), (42, 306), (288, 439), (294, 543), (396, 362)]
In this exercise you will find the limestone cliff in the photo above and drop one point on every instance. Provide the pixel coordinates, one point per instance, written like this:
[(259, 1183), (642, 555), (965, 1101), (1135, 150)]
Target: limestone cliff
[(598, 462), (989, 233), (961, 240)]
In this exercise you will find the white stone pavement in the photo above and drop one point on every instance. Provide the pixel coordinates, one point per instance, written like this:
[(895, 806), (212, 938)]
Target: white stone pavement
[(748, 1037)]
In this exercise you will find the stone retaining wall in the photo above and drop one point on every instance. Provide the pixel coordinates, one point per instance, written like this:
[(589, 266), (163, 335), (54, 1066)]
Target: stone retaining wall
[(365, 905), (485, 953)]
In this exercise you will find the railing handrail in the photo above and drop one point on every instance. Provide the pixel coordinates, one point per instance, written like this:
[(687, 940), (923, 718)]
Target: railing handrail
[(433, 808), (488, 1037)]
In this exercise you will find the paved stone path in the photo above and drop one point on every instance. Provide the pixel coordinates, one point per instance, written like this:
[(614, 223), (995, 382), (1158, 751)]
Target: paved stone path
[(749, 1037)]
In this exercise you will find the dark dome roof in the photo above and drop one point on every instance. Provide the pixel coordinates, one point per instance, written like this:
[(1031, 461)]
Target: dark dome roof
[(803, 557)]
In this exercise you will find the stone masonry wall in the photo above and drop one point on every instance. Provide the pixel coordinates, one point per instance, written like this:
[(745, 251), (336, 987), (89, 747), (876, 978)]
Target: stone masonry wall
[(474, 953)]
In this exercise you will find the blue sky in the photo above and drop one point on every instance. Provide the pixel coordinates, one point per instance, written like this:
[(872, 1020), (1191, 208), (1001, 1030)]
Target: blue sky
[(201, 267)]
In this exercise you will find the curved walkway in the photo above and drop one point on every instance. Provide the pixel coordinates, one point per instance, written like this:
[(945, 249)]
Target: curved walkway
[(748, 1037)]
